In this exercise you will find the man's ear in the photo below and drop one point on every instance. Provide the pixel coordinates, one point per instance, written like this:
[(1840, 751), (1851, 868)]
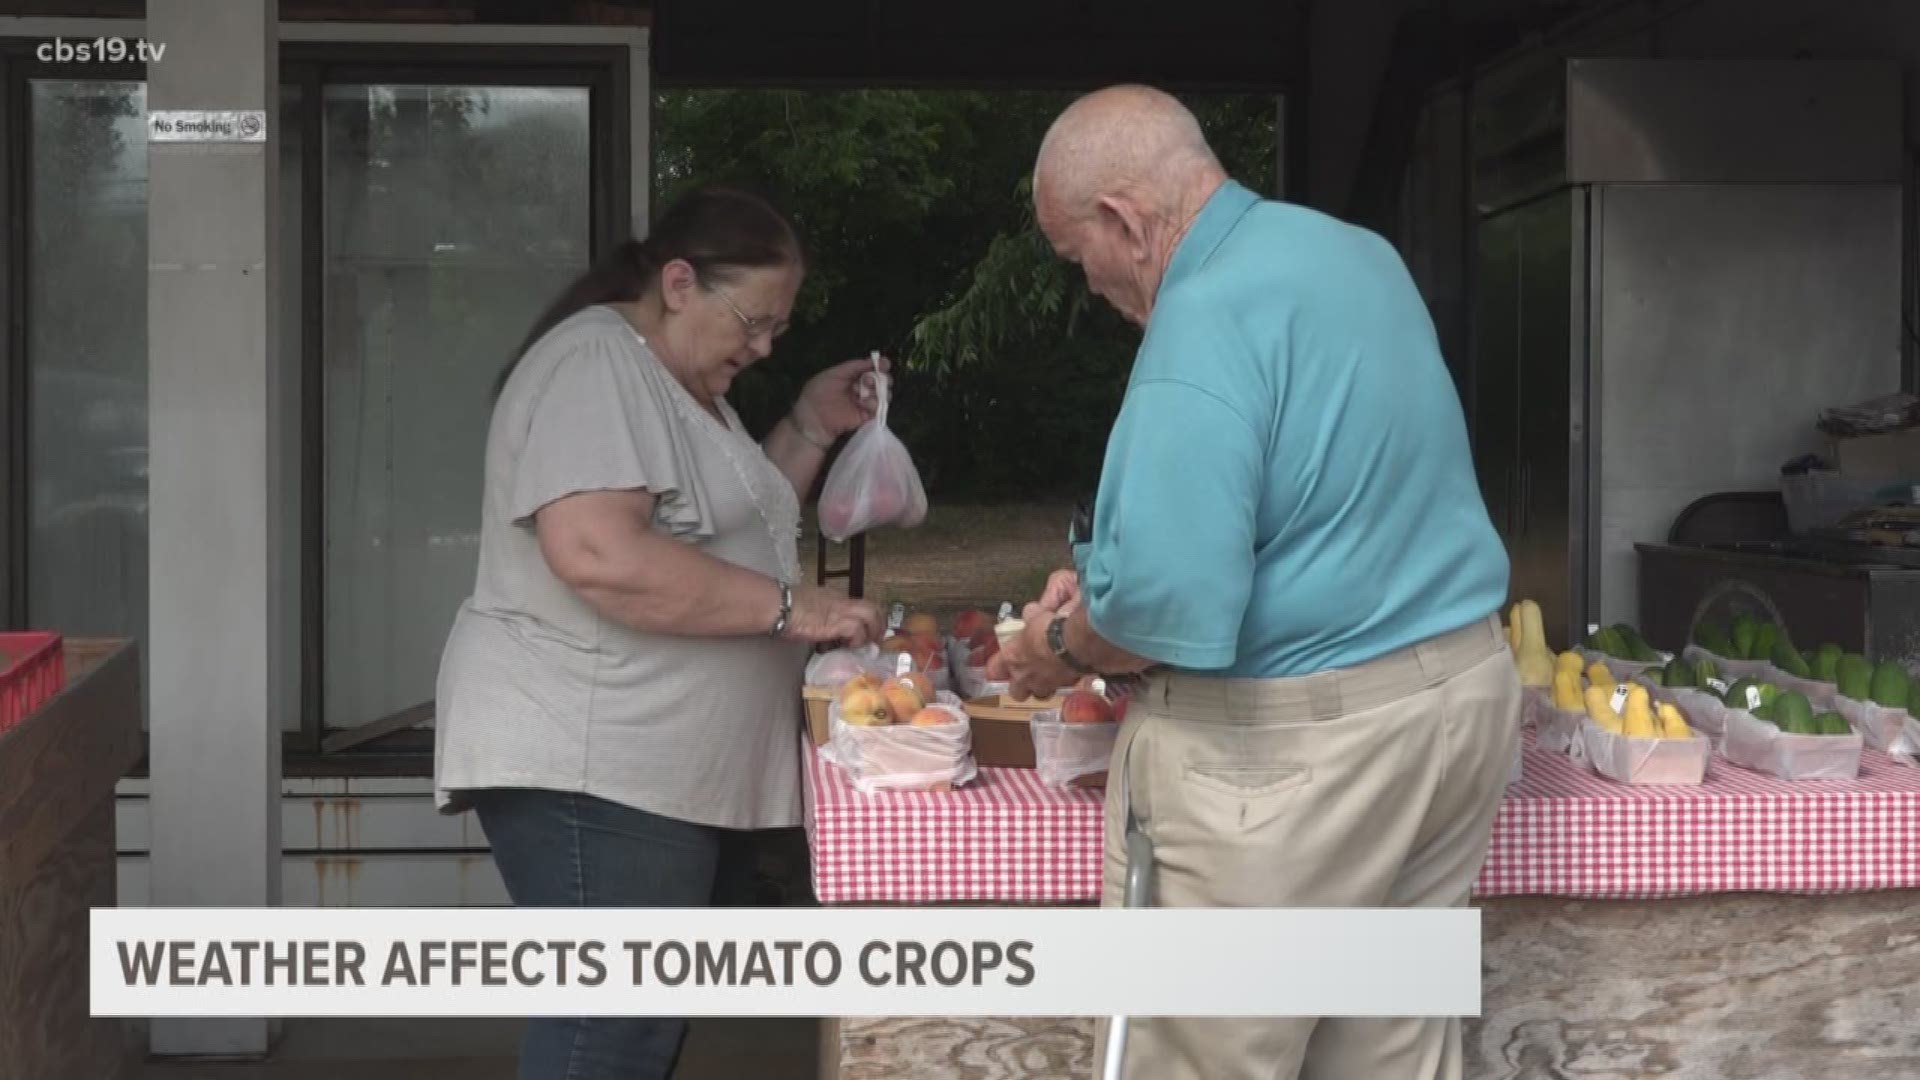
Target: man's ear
[(1125, 217)]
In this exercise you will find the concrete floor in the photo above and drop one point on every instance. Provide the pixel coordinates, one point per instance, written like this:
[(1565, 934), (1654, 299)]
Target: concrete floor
[(773, 1048)]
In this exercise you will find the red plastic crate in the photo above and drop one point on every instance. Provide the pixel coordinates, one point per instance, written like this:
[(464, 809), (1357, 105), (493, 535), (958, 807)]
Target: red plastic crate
[(33, 671)]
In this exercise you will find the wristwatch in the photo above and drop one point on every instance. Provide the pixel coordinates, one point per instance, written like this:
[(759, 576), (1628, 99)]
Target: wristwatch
[(786, 610), (1057, 641)]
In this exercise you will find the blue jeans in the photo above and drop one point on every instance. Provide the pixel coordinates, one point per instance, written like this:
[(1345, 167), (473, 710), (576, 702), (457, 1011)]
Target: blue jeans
[(564, 849)]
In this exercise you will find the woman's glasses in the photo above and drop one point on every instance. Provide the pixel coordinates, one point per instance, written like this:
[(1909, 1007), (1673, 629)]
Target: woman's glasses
[(765, 324)]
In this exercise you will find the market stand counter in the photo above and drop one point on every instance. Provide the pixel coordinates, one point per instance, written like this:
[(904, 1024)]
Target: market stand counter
[(58, 771), (1747, 926)]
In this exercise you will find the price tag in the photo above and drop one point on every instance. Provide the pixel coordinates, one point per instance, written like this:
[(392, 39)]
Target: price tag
[(1753, 698), (1619, 696), (1718, 686), (903, 665), (1100, 687), (1006, 611), (897, 616)]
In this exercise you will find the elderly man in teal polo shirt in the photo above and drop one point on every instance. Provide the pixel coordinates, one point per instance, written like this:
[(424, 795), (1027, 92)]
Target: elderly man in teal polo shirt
[(1288, 540)]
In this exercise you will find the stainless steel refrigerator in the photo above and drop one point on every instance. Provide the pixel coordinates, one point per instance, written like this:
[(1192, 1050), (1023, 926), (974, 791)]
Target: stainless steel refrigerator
[(1676, 265)]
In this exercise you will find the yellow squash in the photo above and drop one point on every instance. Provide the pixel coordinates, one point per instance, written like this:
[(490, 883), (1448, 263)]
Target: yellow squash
[(1672, 724), (1639, 715), (1566, 691), (1600, 708), (1598, 675), (1570, 661), (1536, 663)]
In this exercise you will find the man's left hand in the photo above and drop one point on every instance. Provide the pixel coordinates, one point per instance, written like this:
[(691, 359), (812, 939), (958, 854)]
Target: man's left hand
[(1027, 662)]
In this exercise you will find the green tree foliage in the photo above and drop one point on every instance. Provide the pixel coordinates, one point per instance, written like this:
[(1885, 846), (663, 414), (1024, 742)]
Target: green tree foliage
[(916, 214)]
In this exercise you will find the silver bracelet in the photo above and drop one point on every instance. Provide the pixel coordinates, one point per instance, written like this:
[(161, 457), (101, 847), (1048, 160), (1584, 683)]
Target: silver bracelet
[(786, 610)]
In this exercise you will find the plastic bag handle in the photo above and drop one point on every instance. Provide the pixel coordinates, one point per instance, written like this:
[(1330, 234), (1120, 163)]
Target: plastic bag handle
[(879, 388)]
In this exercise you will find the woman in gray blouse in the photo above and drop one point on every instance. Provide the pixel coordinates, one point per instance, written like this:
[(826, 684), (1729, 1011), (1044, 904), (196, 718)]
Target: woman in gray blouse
[(618, 699)]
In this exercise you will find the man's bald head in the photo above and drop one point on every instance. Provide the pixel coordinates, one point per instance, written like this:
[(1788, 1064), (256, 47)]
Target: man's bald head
[(1121, 175), (1124, 139)]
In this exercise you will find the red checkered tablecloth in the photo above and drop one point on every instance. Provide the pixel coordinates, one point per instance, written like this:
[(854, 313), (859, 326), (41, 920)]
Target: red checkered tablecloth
[(1007, 838)]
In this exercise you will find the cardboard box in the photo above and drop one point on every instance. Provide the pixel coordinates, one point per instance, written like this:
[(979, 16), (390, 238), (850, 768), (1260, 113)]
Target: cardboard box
[(1002, 730), (1877, 460)]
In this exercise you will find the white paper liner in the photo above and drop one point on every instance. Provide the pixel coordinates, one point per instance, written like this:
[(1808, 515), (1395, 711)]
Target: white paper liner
[(1064, 752), (1881, 727), (903, 757), (1906, 748), (1758, 745), (1819, 694), (1623, 669), (1730, 669), (1556, 729), (1644, 761), (1705, 713)]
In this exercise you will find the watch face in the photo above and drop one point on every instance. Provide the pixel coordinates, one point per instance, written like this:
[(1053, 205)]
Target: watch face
[(1080, 528)]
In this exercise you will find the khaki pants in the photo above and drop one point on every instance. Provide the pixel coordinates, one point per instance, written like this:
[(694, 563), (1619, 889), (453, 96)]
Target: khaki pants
[(1373, 786)]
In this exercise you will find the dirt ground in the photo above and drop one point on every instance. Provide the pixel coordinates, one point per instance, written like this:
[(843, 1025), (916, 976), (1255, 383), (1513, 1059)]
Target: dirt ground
[(961, 556)]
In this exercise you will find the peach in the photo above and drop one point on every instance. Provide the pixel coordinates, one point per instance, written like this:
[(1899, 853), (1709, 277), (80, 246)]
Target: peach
[(865, 708), (1085, 707), (1087, 683), (982, 653), (863, 681), (971, 623), (922, 624), (903, 698), (932, 716), (896, 643), (921, 685), (983, 637)]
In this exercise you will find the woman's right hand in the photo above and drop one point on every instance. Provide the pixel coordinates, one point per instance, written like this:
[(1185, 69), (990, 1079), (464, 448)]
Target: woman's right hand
[(825, 617)]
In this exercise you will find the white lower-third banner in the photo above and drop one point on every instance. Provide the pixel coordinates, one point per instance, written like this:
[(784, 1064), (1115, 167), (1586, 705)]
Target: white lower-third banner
[(171, 962)]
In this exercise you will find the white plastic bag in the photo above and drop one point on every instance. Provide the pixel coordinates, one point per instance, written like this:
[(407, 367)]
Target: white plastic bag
[(832, 669), (873, 483), (1063, 752), (903, 757)]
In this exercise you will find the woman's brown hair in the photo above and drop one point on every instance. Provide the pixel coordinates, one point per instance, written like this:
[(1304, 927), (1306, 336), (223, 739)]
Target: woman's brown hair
[(719, 231)]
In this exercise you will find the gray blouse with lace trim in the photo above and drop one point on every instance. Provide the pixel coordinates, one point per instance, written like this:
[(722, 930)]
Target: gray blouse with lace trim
[(538, 690)]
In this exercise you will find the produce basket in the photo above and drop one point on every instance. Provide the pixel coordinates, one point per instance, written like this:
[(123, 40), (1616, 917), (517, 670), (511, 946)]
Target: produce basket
[(1755, 744), (1645, 761), (904, 757), (1072, 755), (32, 671)]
